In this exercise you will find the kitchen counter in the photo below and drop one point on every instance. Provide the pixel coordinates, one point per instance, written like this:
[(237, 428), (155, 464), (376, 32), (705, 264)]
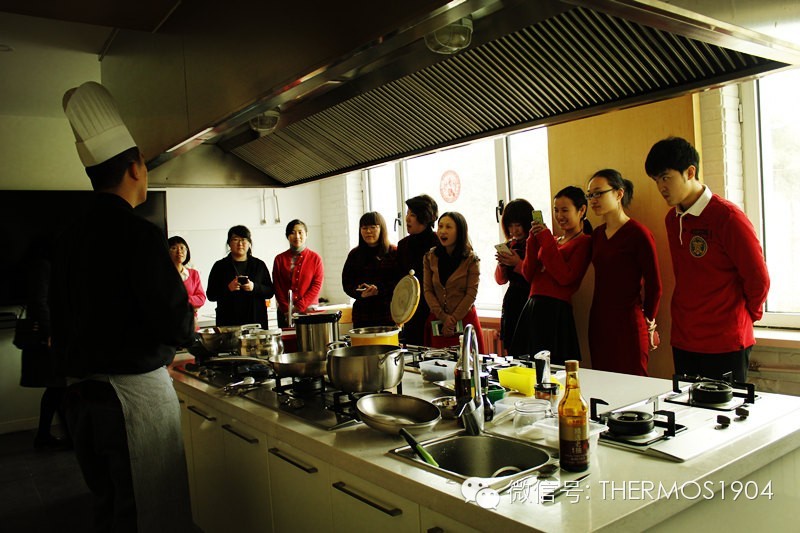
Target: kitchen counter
[(614, 497)]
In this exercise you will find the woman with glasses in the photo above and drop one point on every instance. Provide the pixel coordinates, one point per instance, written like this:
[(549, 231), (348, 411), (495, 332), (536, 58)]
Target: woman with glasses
[(370, 273), (621, 321), (181, 255), (555, 267), (240, 283), (450, 286), (298, 271)]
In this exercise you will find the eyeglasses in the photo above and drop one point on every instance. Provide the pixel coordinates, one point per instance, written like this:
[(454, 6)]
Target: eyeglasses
[(370, 228), (237, 240), (598, 194)]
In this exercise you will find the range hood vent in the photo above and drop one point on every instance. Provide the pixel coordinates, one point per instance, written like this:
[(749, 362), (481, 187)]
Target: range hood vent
[(577, 63)]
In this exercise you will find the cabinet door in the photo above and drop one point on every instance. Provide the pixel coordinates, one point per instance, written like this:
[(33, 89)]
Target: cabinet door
[(246, 478), (433, 522), (186, 432), (359, 505), (208, 458), (297, 477)]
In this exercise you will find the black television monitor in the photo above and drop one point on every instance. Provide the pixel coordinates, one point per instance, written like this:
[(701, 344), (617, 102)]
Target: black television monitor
[(30, 218)]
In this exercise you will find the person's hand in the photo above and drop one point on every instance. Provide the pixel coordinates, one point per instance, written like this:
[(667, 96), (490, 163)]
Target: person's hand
[(247, 286), (234, 285), (367, 290), (537, 228), (652, 334), (449, 326), (510, 260)]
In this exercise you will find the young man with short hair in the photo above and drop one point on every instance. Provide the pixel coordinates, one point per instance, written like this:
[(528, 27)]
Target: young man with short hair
[(721, 278)]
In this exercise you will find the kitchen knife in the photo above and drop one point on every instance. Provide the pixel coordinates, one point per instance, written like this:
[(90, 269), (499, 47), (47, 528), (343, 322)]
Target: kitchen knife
[(564, 487)]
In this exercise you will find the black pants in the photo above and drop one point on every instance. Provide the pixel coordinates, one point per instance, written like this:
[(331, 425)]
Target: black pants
[(712, 365), (97, 425)]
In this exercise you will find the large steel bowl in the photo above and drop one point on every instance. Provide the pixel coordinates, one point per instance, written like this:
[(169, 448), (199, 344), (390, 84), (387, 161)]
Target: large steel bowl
[(391, 412)]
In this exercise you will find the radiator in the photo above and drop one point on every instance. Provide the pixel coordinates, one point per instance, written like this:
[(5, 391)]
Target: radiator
[(491, 341)]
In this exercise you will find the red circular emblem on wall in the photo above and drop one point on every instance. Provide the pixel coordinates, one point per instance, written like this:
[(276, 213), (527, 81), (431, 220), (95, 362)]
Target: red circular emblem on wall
[(450, 186)]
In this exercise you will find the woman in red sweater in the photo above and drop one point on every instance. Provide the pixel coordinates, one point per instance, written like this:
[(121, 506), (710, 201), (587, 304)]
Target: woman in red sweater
[(298, 270), (555, 267), (621, 322), (180, 255)]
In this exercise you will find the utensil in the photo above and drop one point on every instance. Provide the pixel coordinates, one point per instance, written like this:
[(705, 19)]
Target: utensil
[(564, 487), (368, 368), (299, 364), (447, 406), (543, 472), (418, 448), (390, 412), (502, 484), (248, 381)]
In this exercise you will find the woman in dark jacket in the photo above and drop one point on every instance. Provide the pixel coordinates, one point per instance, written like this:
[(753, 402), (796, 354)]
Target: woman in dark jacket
[(240, 283), (421, 215), (516, 221), (370, 273)]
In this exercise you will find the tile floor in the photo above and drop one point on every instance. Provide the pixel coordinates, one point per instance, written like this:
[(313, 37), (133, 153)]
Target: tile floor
[(40, 491)]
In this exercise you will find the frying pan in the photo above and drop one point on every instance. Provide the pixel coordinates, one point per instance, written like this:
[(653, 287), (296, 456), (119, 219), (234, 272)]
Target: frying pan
[(299, 364)]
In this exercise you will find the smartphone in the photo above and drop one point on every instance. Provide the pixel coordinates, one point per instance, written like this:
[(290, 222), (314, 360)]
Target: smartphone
[(537, 216), (242, 280), (359, 289), (503, 248)]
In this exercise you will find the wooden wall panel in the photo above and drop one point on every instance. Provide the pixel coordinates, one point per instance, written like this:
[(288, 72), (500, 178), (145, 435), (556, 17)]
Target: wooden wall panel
[(621, 140)]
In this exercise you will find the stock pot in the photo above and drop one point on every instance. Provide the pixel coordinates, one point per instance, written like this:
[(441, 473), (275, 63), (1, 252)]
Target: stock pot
[(375, 335), (316, 330), (368, 368)]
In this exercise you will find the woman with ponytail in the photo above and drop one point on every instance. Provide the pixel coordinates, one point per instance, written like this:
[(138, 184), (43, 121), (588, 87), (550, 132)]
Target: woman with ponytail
[(621, 322), (555, 266)]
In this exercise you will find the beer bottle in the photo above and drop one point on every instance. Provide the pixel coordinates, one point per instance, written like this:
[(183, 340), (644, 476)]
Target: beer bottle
[(573, 424)]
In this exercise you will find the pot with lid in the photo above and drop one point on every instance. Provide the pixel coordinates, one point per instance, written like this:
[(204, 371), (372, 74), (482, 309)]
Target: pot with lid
[(316, 330)]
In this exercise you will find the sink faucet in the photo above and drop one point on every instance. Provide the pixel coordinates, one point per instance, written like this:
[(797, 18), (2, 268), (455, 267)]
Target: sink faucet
[(472, 412)]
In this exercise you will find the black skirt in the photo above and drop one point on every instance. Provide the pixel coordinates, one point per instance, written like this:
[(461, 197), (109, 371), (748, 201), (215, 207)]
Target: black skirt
[(546, 324)]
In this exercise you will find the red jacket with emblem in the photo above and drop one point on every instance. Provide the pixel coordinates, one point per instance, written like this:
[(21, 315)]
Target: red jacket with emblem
[(721, 279)]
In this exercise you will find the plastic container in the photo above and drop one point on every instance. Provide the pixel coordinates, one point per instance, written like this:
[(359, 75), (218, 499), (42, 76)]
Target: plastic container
[(518, 377), (437, 370), (549, 429)]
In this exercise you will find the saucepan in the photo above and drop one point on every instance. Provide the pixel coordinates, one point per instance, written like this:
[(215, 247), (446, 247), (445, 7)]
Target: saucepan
[(368, 368), (391, 412)]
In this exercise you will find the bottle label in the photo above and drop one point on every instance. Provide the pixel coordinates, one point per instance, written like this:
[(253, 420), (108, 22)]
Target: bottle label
[(573, 442)]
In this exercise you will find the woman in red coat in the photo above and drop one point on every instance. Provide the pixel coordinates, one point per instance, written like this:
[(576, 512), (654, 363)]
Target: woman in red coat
[(298, 270), (181, 255), (621, 322)]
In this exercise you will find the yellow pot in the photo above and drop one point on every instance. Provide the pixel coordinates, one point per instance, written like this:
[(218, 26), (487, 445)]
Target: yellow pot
[(375, 335)]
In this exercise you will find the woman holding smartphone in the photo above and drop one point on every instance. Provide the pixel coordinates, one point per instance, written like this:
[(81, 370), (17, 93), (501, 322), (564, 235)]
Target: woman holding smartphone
[(516, 221), (370, 273), (555, 267), (625, 262), (240, 283), (450, 286)]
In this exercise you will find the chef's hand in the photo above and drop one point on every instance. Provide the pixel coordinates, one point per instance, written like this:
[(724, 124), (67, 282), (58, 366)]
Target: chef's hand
[(537, 228), (233, 286), (510, 260)]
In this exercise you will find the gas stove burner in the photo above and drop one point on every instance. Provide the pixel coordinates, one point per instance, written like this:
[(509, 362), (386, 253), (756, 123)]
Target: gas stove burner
[(711, 392), (630, 423)]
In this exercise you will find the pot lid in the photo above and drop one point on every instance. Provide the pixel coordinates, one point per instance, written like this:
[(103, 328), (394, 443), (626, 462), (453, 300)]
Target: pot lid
[(405, 299), (319, 317)]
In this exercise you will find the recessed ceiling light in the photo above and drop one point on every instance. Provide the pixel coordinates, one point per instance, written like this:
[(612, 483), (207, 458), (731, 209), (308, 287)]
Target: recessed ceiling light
[(5, 48)]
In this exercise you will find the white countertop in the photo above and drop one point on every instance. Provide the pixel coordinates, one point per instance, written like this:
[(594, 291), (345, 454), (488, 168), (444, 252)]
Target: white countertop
[(364, 451)]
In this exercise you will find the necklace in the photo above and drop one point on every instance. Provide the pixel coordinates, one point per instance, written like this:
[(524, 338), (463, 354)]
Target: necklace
[(564, 239)]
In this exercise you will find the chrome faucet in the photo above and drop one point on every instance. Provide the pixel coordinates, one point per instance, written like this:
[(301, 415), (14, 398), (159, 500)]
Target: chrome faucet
[(472, 412)]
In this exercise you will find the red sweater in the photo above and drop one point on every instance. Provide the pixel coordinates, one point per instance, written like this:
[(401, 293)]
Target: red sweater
[(305, 281), (721, 278), (556, 271)]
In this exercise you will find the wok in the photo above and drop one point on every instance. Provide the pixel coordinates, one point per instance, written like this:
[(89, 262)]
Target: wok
[(299, 364), (391, 412)]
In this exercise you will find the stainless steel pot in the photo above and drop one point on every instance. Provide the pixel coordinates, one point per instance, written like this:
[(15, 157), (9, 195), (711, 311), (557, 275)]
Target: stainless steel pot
[(368, 368), (316, 330), (220, 339)]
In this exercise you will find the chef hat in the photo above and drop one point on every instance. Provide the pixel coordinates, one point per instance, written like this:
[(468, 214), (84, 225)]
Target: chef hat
[(99, 131)]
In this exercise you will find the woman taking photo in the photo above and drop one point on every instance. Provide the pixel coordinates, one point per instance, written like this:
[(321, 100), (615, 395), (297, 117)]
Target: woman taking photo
[(240, 283), (298, 270), (621, 324), (370, 273), (452, 275), (516, 223), (181, 255), (555, 267), (420, 217)]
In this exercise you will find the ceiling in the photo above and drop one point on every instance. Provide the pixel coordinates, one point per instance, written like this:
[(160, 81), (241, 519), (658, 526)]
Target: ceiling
[(143, 15)]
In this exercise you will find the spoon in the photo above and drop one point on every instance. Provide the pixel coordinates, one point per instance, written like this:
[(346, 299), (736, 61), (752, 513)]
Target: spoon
[(503, 484), (246, 382), (543, 472)]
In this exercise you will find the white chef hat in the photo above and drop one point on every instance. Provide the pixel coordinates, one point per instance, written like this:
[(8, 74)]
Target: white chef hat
[(99, 131)]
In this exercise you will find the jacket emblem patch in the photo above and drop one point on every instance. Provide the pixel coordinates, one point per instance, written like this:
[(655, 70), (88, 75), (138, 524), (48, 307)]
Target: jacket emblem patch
[(698, 246)]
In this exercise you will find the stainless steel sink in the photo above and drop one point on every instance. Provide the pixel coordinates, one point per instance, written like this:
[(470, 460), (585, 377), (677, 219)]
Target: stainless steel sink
[(461, 456)]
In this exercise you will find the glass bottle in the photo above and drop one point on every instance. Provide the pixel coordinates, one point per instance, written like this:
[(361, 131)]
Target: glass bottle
[(573, 424)]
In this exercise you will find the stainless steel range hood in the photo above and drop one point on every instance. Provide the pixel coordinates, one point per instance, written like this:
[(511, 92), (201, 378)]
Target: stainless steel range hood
[(530, 63)]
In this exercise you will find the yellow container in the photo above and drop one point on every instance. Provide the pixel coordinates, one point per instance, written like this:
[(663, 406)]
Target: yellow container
[(375, 335), (518, 377)]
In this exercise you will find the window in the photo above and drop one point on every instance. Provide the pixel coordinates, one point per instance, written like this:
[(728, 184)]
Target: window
[(529, 170), (383, 198), (771, 144)]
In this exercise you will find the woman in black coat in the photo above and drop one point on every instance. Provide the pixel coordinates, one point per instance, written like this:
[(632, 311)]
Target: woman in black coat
[(240, 283)]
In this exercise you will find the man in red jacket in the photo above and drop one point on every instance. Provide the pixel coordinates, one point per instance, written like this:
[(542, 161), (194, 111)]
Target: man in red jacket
[(721, 279)]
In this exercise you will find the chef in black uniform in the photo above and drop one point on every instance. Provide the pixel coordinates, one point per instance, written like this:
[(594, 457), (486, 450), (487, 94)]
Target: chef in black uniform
[(115, 330)]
